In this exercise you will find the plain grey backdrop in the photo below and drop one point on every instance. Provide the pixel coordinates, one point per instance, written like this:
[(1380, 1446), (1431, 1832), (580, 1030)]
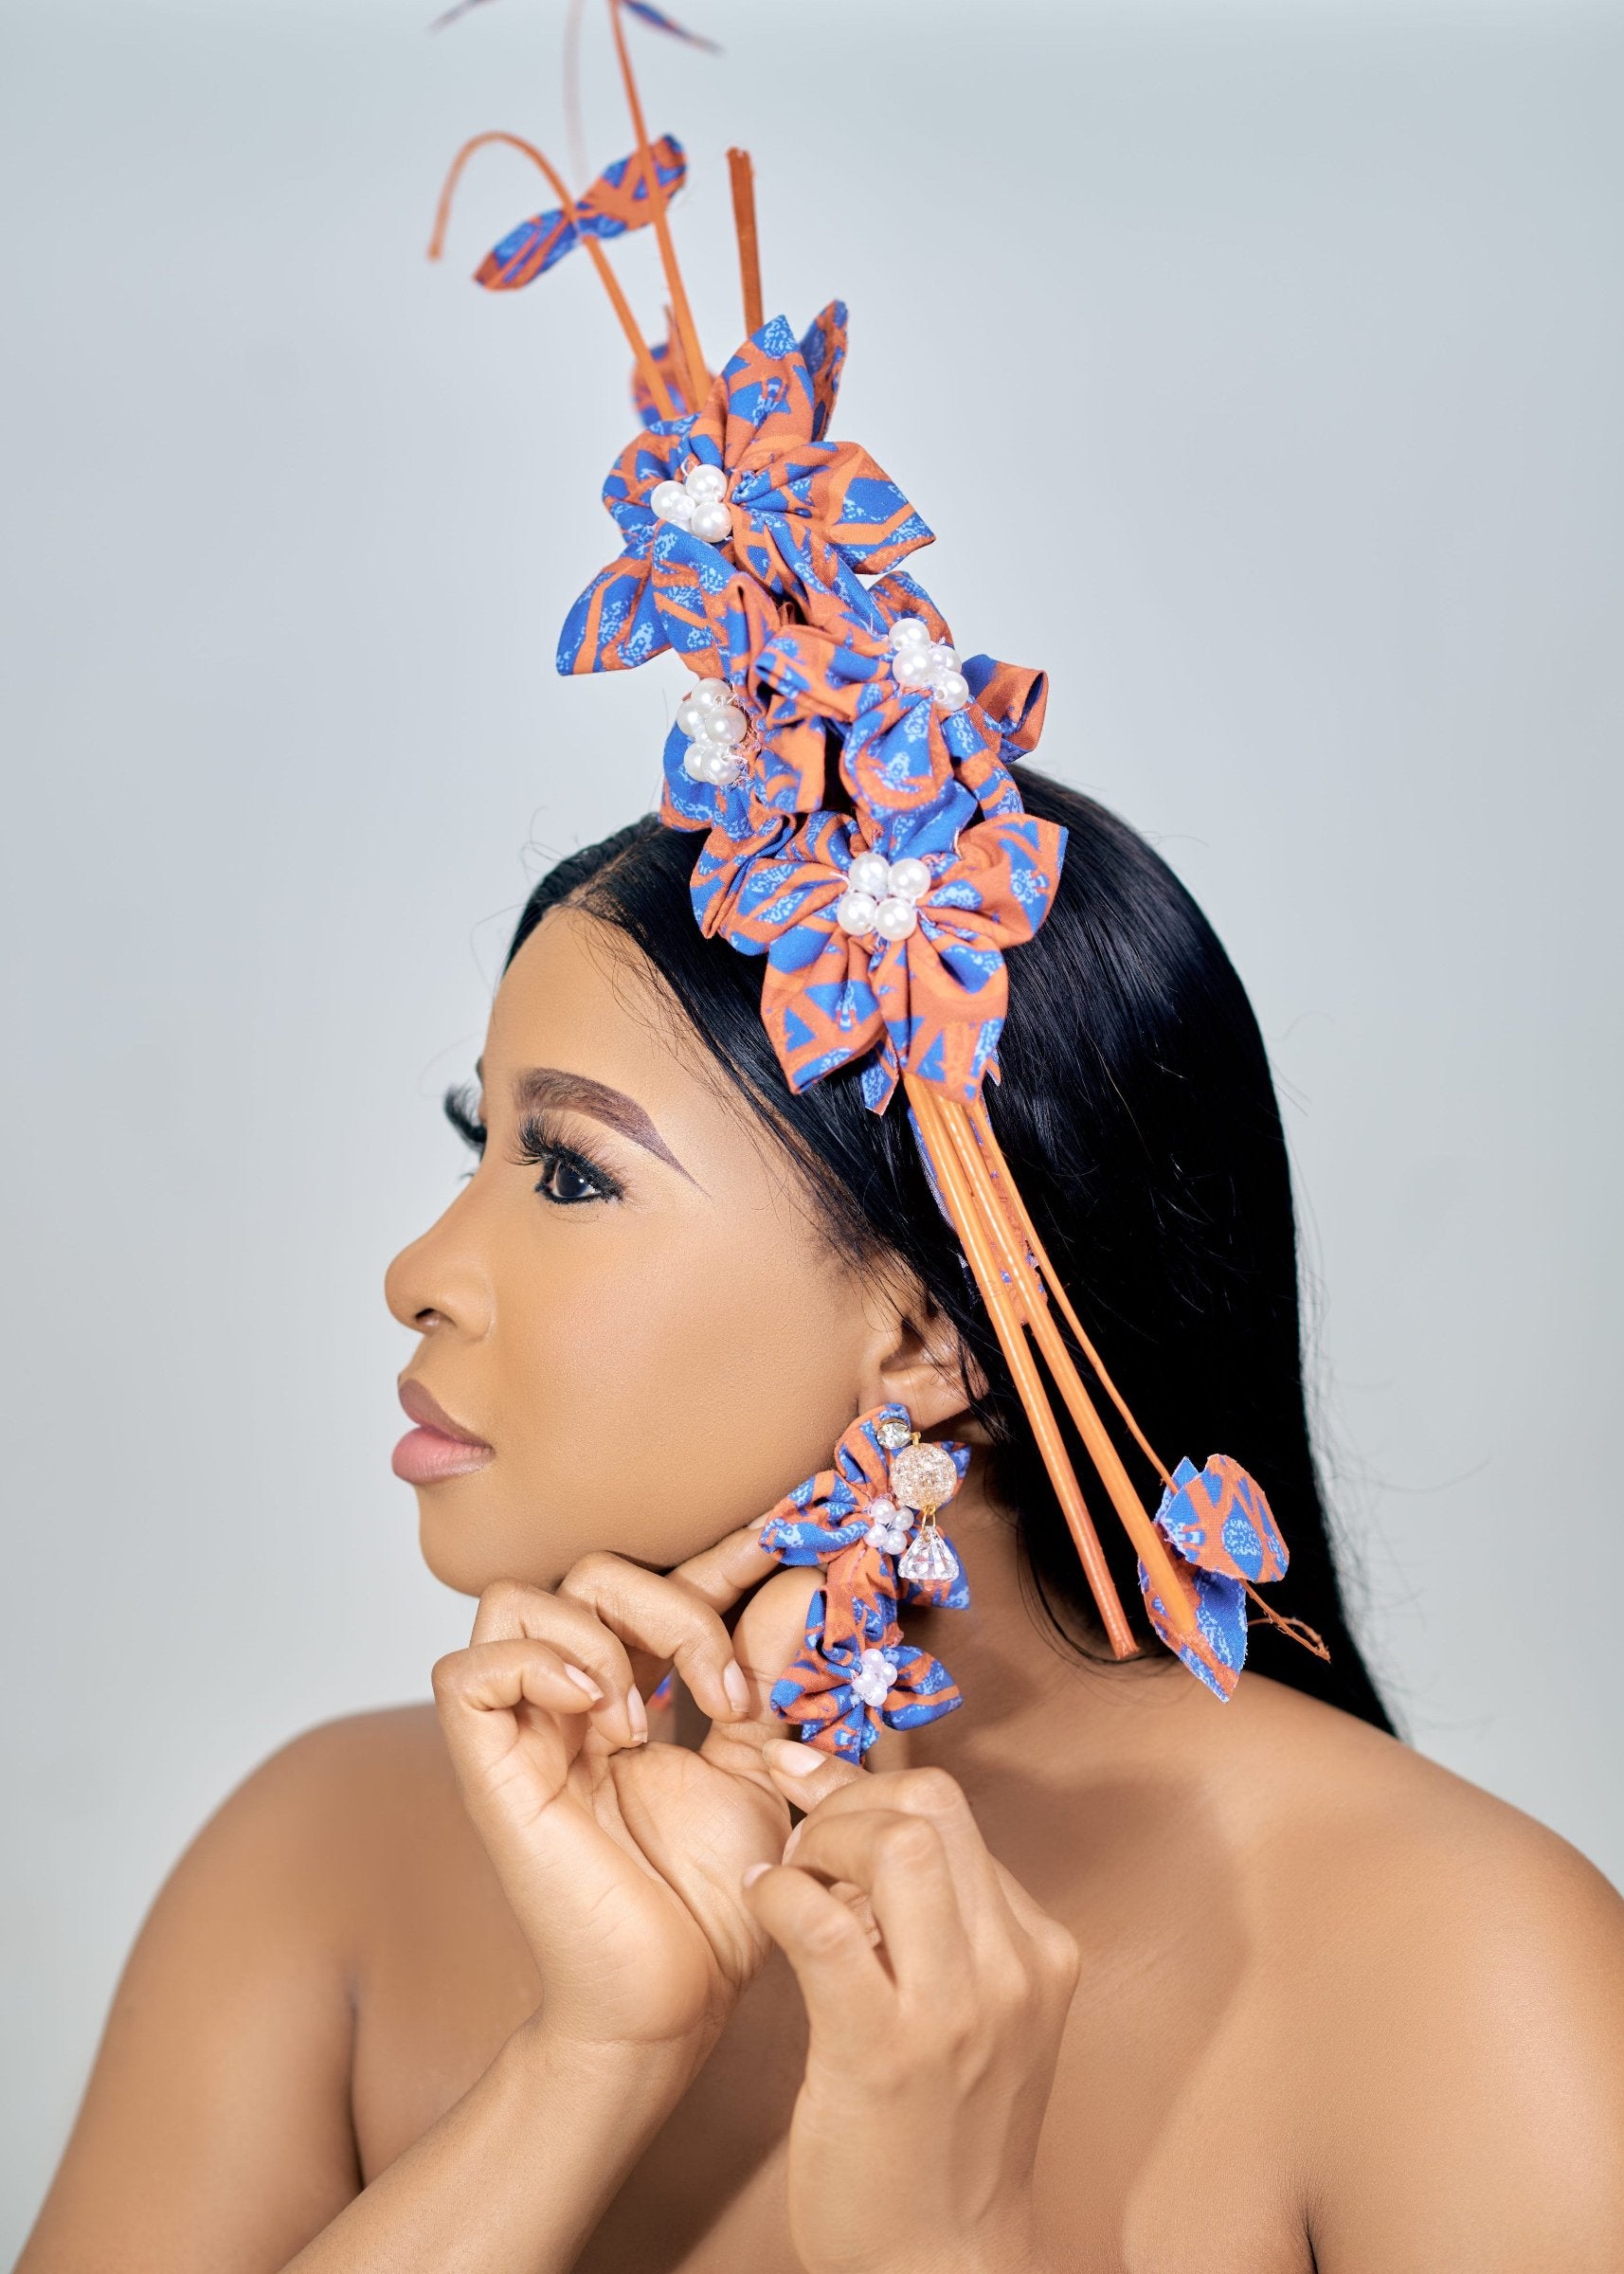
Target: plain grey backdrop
[(1262, 368)]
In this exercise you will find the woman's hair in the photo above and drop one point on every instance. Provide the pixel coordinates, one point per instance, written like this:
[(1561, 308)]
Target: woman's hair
[(1137, 1116)]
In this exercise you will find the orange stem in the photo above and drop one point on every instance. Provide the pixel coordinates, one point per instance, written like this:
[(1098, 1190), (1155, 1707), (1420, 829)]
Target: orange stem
[(678, 362), (742, 176), (1152, 1548), (1023, 1224), (684, 326), (1008, 1328), (652, 377)]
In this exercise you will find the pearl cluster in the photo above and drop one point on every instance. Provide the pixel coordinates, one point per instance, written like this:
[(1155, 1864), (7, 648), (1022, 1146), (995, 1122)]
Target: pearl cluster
[(880, 896), (872, 1677), (917, 661), (888, 1525), (715, 725), (699, 501)]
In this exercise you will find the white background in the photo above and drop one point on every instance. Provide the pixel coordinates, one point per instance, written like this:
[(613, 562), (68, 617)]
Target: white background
[(1263, 369)]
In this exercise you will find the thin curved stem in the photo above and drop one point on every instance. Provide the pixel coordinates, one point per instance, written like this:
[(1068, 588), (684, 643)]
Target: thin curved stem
[(652, 376), (685, 339)]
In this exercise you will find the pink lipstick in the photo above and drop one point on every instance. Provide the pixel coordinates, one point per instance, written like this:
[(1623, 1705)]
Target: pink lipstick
[(438, 1447)]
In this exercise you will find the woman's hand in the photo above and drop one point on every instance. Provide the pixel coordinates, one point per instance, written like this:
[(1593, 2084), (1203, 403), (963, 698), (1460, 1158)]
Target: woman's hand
[(932, 2050), (623, 1861)]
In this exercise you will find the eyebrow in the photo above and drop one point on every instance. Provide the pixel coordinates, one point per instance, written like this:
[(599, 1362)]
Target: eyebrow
[(537, 1088)]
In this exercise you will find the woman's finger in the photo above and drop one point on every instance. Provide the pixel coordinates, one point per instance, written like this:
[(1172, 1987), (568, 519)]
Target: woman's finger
[(823, 1939), (806, 1775), (671, 1618), (991, 1902), (722, 1574), (900, 1864), (509, 1611), (479, 1692)]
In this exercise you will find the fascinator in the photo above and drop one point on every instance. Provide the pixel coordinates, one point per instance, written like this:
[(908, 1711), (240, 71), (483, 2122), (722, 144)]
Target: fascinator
[(854, 779)]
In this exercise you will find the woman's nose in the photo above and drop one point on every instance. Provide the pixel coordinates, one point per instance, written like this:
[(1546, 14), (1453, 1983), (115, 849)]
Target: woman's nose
[(439, 1280)]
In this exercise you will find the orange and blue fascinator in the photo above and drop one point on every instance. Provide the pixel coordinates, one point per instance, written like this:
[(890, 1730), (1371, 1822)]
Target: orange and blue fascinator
[(854, 780)]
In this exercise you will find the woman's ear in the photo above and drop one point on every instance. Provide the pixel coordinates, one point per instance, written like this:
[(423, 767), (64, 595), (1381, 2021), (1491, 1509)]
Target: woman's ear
[(916, 1356)]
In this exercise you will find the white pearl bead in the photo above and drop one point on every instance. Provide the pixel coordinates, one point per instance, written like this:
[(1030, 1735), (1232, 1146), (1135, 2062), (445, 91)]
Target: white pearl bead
[(868, 873), (856, 913), (910, 667), (907, 879), (711, 692), (943, 657), (670, 501), (705, 483), (908, 630), (723, 724), (691, 715), (882, 1509), (711, 522), (722, 768), (951, 690), (694, 759), (894, 919)]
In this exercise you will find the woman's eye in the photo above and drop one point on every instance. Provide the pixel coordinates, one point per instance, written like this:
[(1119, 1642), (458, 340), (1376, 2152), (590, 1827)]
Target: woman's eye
[(564, 1181)]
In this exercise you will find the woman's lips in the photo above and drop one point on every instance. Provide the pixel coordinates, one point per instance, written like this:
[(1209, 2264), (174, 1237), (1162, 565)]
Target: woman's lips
[(438, 1447)]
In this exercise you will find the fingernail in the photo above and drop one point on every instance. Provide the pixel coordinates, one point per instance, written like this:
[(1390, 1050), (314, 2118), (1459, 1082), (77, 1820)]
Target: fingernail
[(789, 1844), (584, 1681), (792, 1759), (637, 1713), (738, 1690), (754, 1873)]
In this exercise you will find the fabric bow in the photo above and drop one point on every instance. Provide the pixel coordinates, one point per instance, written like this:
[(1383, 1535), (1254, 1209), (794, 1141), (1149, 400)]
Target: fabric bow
[(803, 513), (900, 743), (848, 1518), (609, 208), (1221, 1524), (854, 1675), (931, 1003)]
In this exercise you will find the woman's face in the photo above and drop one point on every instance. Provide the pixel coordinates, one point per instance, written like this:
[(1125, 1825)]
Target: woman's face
[(629, 1301)]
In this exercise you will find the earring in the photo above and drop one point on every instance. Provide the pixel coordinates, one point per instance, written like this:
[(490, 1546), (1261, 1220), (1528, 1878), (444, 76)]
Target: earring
[(871, 1522)]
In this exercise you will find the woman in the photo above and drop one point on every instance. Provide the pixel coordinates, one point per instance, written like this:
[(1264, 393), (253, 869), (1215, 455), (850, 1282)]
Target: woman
[(1097, 1972)]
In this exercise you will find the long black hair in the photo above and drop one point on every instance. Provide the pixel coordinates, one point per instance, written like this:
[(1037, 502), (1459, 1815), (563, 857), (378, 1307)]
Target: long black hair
[(1139, 1118)]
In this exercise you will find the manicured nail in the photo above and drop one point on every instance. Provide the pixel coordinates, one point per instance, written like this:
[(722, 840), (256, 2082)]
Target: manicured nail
[(791, 1758), (754, 1873), (584, 1681), (637, 1713), (738, 1690)]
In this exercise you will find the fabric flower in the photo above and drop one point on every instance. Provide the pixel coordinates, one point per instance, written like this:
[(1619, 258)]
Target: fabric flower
[(906, 734), (769, 494), (930, 1000), (853, 1675), (848, 1518), (1221, 1524)]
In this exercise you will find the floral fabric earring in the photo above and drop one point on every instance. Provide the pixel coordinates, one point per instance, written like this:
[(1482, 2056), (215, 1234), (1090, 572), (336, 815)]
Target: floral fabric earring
[(871, 1520)]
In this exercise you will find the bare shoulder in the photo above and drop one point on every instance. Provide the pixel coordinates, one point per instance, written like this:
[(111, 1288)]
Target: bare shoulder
[(217, 2126), (1451, 1981)]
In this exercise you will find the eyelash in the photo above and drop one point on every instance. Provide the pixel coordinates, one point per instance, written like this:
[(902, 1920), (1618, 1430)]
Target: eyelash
[(541, 1147)]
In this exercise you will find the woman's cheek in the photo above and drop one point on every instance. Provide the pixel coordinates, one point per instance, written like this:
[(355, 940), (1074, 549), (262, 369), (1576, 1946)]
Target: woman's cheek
[(660, 1401)]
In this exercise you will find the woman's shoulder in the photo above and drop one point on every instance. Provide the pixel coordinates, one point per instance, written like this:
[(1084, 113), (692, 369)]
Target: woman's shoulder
[(1448, 1978), (1350, 1808), (344, 1804)]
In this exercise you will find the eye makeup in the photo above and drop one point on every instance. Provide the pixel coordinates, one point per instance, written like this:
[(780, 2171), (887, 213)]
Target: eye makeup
[(569, 1176)]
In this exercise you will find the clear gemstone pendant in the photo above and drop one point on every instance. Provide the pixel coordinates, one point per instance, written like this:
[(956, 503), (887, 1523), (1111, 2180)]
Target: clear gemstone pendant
[(928, 1561)]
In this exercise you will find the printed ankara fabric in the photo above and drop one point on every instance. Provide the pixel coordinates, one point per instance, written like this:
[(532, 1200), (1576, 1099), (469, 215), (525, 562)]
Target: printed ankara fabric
[(807, 514), (854, 1672), (1221, 1524), (612, 206)]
